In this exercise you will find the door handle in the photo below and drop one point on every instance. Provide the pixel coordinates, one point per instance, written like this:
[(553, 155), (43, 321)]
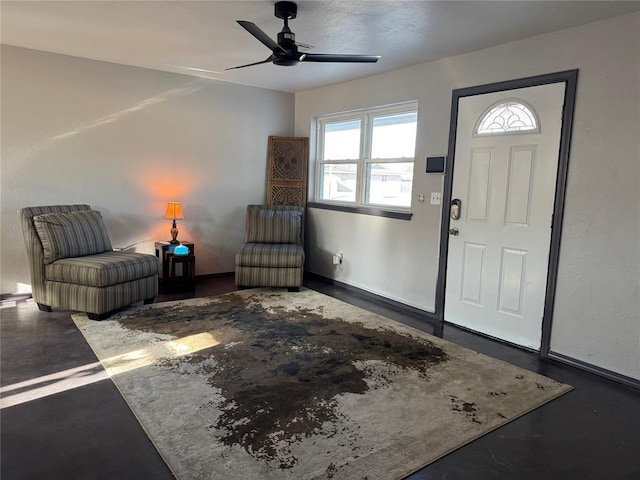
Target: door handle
[(453, 231)]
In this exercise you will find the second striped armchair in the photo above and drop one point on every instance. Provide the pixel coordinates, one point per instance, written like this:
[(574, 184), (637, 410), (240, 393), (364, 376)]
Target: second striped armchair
[(273, 252)]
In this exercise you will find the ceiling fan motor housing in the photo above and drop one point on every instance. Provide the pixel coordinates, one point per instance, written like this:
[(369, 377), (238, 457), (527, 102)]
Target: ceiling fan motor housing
[(286, 38), (285, 60)]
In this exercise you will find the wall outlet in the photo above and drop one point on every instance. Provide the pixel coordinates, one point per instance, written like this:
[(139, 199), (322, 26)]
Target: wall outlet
[(337, 258)]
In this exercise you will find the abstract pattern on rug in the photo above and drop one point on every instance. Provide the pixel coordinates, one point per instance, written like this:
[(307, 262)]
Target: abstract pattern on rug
[(270, 384)]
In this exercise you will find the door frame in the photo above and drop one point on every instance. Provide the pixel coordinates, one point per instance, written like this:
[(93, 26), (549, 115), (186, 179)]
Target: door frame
[(569, 78)]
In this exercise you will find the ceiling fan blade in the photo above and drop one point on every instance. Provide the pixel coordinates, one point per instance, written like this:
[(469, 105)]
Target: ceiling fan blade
[(254, 30), (304, 45), (193, 69), (328, 57), (268, 60)]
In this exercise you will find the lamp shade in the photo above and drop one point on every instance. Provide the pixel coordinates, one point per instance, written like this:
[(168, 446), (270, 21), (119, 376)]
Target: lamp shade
[(174, 211)]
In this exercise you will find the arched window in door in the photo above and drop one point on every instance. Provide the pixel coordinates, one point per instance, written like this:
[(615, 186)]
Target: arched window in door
[(507, 116)]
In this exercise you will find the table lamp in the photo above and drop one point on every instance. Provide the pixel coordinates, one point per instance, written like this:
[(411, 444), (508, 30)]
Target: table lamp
[(174, 212)]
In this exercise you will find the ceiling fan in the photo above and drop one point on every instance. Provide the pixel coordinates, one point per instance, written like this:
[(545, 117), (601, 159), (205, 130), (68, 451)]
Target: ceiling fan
[(285, 50)]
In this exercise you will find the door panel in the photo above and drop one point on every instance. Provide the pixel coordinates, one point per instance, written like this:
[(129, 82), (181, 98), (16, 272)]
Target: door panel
[(472, 273), (512, 275), (479, 177), (497, 264), (519, 186)]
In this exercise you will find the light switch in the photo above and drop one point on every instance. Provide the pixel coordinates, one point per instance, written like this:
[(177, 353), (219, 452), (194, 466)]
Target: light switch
[(436, 198)]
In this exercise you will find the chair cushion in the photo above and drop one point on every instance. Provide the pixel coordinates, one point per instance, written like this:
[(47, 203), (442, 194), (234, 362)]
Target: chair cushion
[(272, 255), (72, 234), (273, 226), (102, 269)]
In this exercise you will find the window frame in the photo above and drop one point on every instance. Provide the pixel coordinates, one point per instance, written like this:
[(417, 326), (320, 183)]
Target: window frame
[(363, 163)]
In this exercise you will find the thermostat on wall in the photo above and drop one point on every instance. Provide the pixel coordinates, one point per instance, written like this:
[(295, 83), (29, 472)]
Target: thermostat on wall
[(436, 164)]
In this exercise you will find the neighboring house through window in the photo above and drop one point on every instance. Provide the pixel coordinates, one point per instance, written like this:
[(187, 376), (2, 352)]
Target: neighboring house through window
[(365, 158)]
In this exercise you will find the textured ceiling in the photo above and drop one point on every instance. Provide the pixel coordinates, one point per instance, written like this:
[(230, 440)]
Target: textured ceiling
[(202, 38)]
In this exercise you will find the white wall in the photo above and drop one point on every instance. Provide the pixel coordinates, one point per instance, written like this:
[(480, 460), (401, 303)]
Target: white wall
[(597, 312), (127, 140)]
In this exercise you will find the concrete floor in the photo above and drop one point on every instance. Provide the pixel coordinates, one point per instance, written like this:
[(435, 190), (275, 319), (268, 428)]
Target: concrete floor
[(71, 423)]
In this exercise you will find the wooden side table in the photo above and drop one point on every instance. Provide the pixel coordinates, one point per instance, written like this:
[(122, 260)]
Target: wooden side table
[(164, 252), (188, 277)]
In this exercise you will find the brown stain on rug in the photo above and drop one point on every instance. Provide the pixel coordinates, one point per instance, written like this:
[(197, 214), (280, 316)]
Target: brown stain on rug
[(279, 371)]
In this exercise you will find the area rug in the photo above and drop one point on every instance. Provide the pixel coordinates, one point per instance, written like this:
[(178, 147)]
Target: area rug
[(270, 384)]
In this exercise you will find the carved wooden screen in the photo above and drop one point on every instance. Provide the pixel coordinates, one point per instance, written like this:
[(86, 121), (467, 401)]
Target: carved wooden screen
[(287, 171)]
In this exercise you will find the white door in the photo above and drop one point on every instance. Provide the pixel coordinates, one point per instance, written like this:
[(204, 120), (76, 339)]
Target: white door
[(505, 181)]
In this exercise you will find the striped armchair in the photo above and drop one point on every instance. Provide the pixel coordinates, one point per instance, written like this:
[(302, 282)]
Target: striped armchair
[(273, 252), (73, 265)]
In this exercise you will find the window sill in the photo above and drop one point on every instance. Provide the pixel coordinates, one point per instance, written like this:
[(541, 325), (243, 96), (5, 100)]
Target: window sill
[(376, 212)]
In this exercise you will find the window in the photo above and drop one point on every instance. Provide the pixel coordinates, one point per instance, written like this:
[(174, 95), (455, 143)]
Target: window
[(512, 116), (366, 158)]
